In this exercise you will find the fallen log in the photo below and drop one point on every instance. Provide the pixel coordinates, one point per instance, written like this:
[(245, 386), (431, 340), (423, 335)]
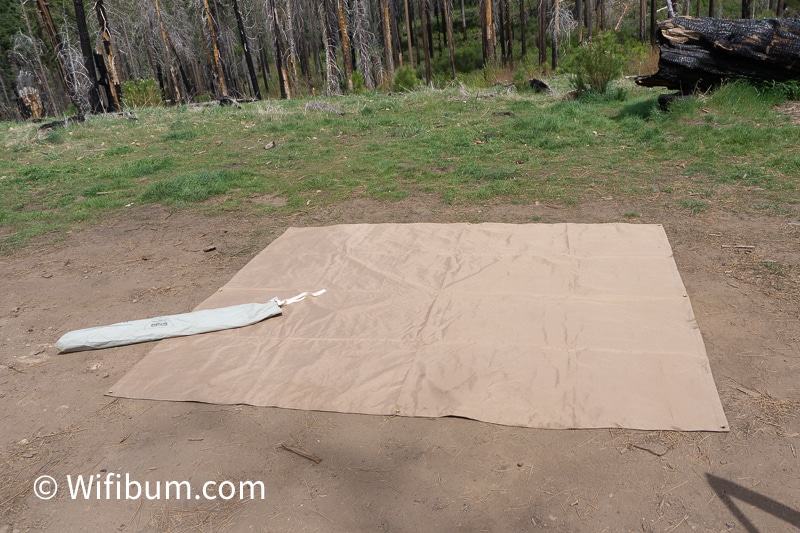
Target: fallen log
[(697, 54), (77, 119)]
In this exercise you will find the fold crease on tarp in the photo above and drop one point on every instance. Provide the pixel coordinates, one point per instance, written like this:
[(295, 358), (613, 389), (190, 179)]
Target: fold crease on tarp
[(181, 325)]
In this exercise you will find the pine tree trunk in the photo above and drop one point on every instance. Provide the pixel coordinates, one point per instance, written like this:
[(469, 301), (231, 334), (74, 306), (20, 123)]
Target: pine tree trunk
[(88, 56), (448, 21), (554, 44), (331, 71), (263, 63), (215, 56), (463, 21), (653, 21), (601, 14), (209, 62), (42, 72), (430, 29), (488, 22), (114, 86), (408, 36), (246, 47), (55, 40), (397, 45), (509, 34), (347, 55), (501, 21), (523, 25), (643, 21), (440, 33), (542, 31), (283, 81), (423, 4), (168, 45), (387, 41)]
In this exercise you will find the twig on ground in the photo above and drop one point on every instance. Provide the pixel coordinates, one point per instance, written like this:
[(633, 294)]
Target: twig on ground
[(301, 453)]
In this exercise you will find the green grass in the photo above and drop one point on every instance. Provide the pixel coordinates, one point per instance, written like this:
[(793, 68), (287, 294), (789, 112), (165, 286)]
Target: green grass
[(730, 150)]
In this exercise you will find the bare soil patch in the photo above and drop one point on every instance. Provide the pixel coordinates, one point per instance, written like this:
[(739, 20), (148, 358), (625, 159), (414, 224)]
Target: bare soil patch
[(387, 473)]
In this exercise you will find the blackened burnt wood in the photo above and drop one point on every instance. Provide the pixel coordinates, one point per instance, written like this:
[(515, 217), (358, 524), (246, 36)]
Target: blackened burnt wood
[(700, 53)]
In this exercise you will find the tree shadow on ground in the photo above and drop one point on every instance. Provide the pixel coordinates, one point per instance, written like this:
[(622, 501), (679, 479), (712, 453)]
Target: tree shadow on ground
[(728, 491), (644, 109)]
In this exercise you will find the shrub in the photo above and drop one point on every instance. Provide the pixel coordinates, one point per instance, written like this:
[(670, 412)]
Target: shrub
[(141, 93), (405, 79), (358, 82), (595, 65)]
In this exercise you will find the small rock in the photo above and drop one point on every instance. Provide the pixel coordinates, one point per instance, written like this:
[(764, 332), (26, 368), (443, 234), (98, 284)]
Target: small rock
[(209, 248), (730, 525)]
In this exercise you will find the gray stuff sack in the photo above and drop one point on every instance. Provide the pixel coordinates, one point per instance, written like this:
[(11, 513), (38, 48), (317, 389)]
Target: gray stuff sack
[(153, 329)]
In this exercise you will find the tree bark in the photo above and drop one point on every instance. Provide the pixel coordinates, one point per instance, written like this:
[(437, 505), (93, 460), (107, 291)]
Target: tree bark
[(508, 34), (58, 46), (246, 47), (169, 45), (387, 41), (523, 25), (42, 72), (425, 40), (283, 81), (653, 25), (643, 21), (698, 54), (263, 63), (463, 21), (448, 21), (554, 44), (331, 70), (488, 23), (113, 87), (542, 31), (347, 55), (88, 56), (746, 9), (408, 36), (212, 33)]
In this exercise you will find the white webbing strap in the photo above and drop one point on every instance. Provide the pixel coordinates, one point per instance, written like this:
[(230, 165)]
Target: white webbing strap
[(299, 297)]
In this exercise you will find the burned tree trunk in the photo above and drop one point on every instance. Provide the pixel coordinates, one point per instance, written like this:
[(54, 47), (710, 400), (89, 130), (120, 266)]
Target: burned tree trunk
[(698, 54), (215, 55), (113, 85), (246, 48), (88, 56)]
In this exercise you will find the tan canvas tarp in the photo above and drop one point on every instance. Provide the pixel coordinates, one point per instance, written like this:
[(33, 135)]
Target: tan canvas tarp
[(550, 326)]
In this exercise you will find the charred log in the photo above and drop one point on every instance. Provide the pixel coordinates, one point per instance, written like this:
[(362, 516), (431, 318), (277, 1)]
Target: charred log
[(77, 119), (700, 53)]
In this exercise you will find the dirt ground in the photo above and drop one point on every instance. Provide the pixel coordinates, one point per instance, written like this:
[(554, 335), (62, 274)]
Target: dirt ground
[(387, 474)]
